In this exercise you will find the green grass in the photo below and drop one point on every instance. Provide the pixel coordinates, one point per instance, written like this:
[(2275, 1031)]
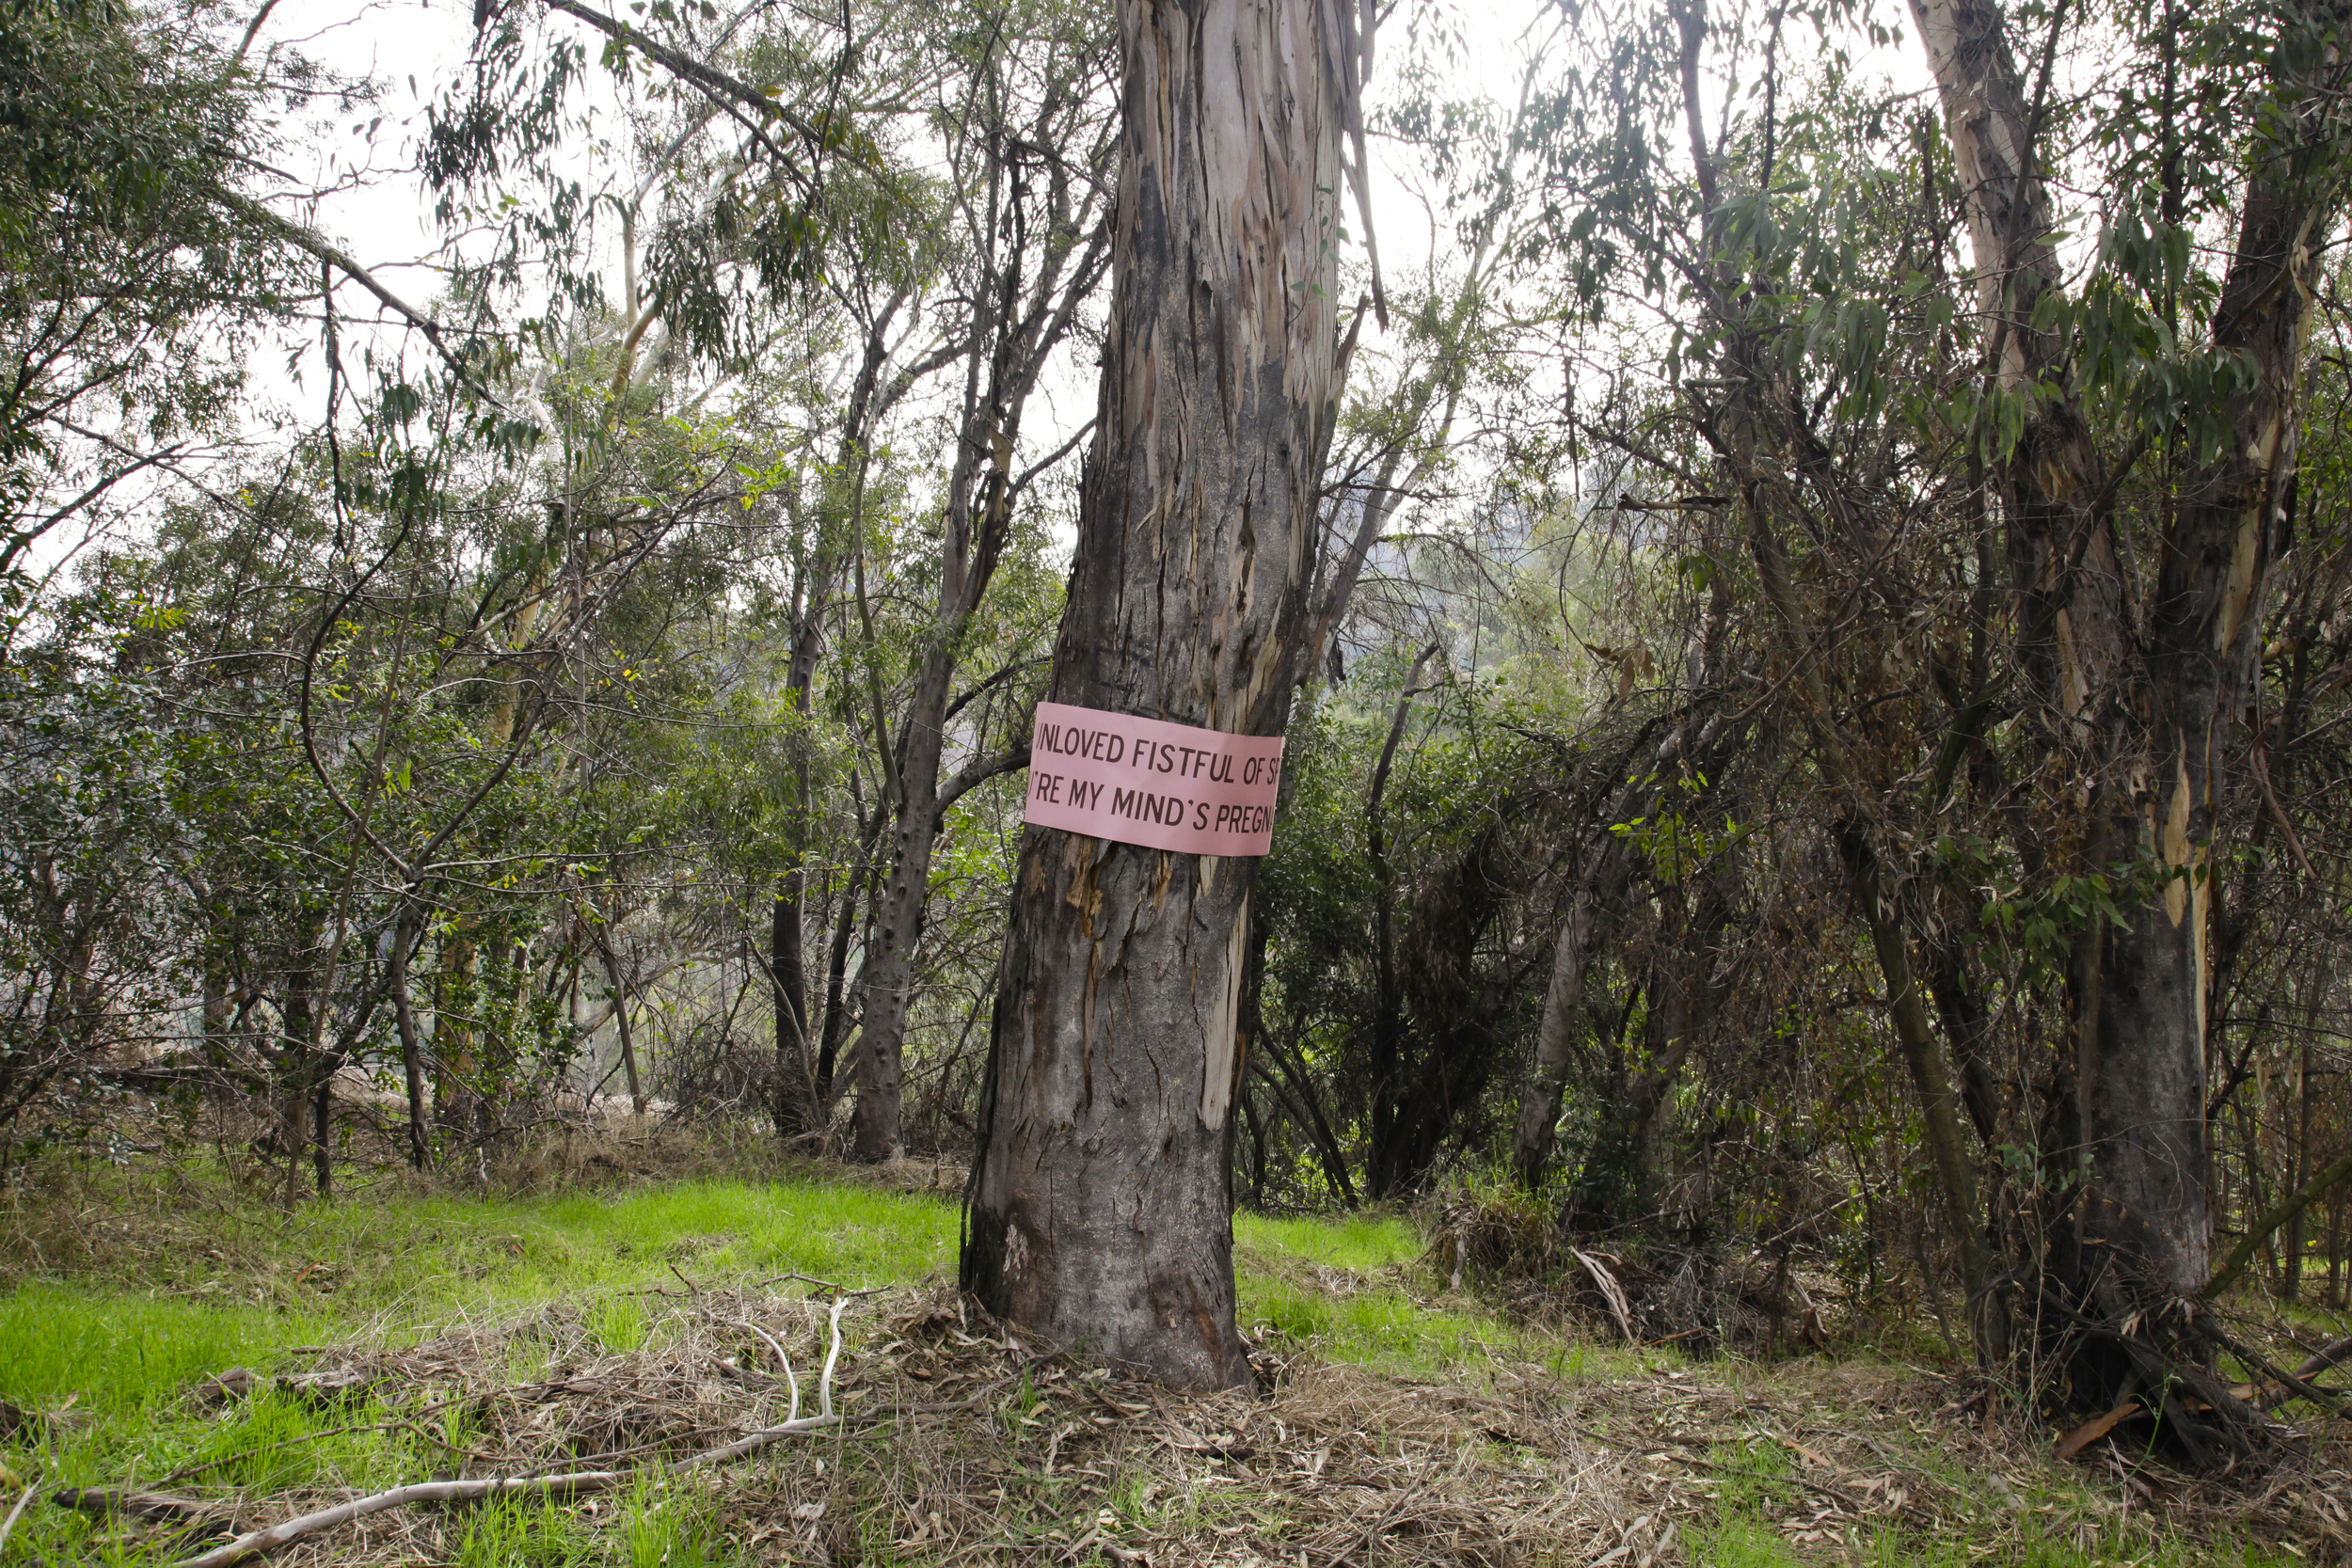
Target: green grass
[(215, 1283), (119, 1347), (219, 1283), (1285, 1281), (116, 1355)]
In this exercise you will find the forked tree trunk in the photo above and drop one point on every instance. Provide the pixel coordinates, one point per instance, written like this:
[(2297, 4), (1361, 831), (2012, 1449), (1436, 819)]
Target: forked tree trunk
[(1100, 1209), (805, 1071), (2142, 1238), (1032, 295), (2147, 1091)]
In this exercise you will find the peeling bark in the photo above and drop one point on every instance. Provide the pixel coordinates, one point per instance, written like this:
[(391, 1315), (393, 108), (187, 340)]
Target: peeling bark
[(1099, 1210), (2151, 709)]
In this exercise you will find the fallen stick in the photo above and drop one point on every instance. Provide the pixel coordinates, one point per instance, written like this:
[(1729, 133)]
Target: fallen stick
[(279, 1535), (30, 1487), (577, 1484)]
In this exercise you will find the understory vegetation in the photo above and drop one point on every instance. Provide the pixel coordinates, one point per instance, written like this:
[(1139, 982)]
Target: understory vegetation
[(187, 1342), (1798, 559)]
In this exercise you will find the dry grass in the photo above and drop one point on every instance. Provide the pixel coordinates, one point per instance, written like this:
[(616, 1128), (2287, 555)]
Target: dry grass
[(1398, 1420), (963, 1441)]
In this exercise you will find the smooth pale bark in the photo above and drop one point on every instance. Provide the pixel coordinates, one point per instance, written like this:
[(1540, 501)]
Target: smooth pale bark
[(1100, 1210), (405, 936)]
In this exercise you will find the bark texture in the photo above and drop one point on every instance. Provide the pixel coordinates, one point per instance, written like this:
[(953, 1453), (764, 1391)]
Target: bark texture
[(1099, 1210), (2149, 711)]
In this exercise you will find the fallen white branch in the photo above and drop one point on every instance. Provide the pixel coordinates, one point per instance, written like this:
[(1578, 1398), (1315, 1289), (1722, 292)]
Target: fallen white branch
[(578, 1484)]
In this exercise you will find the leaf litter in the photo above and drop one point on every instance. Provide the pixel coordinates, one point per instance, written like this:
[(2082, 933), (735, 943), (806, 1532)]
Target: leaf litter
[(964, 1440)]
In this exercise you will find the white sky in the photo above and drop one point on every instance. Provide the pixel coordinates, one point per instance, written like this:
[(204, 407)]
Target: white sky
[(377, 207)]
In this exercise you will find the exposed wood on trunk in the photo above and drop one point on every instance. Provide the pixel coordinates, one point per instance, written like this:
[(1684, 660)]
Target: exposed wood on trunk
[(2154, 709), (1099, 1208)]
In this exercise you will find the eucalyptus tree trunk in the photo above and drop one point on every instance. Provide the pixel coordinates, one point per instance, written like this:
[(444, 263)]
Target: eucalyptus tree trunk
[(1100, 1209), (2152, 710), (2145, 1093)]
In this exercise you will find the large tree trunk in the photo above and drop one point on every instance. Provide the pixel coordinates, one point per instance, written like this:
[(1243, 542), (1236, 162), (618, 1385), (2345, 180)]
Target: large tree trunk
[(2146, 1092), (2141, 1238), (1100, 1209)]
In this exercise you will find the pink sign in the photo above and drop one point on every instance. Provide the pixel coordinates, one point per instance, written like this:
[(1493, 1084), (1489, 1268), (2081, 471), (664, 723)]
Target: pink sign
[(1144, 781)]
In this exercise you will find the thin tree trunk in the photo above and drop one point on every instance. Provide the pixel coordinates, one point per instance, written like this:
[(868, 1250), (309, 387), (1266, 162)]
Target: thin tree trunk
[(836, 972), (797, 1074), (2335, 1252), (405, 938), (322, 1122), (620, 1020), (886, 980), (1610, 861), (1030, 305), (2302, 1167), (788, 982), (1099, 1205), (1382, 1172), (457, 1001), (295, 1057)]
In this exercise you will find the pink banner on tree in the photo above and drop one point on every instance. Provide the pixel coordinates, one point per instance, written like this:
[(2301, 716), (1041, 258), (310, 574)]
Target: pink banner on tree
[(1145, 781)]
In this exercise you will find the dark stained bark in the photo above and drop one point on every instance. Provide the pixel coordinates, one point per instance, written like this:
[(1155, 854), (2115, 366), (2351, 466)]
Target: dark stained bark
[(2146, 1117), (1388, 1014), (1295, 1091), (854, 889), (405, 938), (2155, 709), (1098, 1211)]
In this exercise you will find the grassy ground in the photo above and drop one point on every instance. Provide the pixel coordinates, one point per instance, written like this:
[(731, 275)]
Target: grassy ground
[(1404, 1420)]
